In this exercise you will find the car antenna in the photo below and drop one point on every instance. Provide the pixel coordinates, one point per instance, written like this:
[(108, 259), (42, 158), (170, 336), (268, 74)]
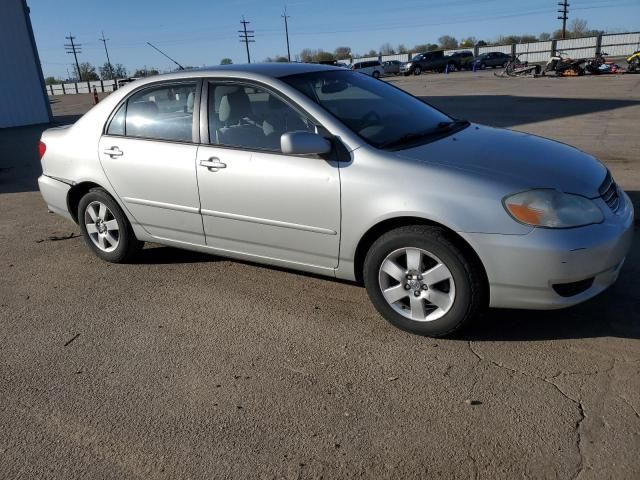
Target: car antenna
[(180, 67)]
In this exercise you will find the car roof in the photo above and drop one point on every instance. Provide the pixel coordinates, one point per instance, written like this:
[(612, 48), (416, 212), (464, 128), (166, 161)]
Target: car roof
[(272, 69)]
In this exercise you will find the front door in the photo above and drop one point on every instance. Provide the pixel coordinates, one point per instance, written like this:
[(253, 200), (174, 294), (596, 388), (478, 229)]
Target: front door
[(256, 201), (148, 155)]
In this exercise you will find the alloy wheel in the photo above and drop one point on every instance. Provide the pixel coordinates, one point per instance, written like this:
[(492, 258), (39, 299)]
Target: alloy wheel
[(102, 226), (416, 284)]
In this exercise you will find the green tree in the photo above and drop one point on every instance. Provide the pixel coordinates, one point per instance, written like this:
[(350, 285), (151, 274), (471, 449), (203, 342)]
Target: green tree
[(447, 42), (425, 47), (468, 42), (87, 72), (51, 81), (544, 36), (528, 39), (226, 61), (322, 56), (372, 53), (402, 49), (281, 59)]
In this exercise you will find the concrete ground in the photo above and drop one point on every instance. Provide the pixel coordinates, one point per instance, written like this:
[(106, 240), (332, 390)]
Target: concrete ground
[(191, 366)]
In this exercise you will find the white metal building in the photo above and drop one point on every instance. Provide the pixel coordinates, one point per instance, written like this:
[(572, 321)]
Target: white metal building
[(23, 98)]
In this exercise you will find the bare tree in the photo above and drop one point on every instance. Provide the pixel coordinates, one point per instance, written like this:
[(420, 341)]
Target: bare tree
[(387, 49), (342, 53), (578, 27)]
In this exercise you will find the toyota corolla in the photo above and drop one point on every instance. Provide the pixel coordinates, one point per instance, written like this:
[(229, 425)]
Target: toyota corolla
[(324, 170)]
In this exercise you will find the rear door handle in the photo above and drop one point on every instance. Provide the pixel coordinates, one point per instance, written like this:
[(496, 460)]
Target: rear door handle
[(113, 152), (213, 164)]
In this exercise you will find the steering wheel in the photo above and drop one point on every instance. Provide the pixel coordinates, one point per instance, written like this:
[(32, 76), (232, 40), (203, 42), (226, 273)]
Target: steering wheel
[(370, 118)]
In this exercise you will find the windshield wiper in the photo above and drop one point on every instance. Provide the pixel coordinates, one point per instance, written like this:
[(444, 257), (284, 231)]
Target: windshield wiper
[(442, 127)]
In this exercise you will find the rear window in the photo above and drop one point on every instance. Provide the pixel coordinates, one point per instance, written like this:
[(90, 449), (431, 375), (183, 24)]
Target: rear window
[(163, 113)]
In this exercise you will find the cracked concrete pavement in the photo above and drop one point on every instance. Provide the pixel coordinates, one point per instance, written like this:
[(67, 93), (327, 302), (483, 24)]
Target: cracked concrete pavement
[(191, 366)]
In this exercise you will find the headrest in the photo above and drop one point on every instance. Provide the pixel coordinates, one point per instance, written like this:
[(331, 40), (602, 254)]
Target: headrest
[(190, 100), (234, 106)]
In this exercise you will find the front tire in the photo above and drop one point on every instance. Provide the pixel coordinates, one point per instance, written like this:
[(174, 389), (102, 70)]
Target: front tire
[(105, 227), (375, 74), (417, 71), (422, 280)]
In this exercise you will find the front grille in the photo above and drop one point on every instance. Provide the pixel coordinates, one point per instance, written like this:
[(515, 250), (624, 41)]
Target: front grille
[(609, 192)]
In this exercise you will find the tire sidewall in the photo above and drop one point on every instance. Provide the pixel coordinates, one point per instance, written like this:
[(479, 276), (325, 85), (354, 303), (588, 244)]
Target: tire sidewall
[(446, 251), (127, 242)]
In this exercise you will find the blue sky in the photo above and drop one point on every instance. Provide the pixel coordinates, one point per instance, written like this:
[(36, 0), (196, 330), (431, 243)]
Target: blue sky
[(201, 32)]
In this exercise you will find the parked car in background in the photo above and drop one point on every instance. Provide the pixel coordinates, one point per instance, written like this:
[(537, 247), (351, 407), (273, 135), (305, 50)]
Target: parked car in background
[(423, 62), (319, 169), (370, 67), (392, 67), (491, 59), (123, 81), (461, 60), (342, 65)]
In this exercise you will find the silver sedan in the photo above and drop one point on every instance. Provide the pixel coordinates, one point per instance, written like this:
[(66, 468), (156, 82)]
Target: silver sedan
[(319, 169)]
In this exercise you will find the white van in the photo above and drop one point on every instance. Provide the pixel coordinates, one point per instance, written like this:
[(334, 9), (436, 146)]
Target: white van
[(371, 67)]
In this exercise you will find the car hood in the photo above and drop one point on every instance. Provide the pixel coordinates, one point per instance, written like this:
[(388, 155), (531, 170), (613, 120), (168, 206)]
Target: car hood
[(523, 160)]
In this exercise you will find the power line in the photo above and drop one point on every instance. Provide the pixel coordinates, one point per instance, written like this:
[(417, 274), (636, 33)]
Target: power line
[(246, 36), (74, 48), (109, 66), (286, 30), (564, 11)]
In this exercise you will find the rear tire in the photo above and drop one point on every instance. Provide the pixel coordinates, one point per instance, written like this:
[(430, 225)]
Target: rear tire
[(422, 279), (375, 74), (105, 227)]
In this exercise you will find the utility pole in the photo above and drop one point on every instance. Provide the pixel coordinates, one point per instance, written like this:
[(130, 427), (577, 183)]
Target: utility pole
[(246, 36), (74, 48), (286, 30), (564, 12), (104, 42)]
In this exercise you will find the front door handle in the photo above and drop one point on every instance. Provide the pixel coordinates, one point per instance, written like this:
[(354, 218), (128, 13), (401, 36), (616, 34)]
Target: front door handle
[(113, 152), (213, 164)]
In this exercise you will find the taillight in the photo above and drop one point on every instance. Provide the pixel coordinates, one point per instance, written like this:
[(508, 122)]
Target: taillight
[(41, 149)]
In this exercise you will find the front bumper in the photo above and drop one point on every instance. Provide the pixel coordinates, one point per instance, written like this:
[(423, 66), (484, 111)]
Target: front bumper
[(522, 269), (55, 193)]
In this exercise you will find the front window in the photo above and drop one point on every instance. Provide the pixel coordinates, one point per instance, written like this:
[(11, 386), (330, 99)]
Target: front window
[(251, 117), (382, 115)]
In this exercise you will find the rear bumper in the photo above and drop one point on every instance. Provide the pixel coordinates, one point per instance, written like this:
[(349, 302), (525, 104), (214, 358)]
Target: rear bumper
[(54, 192), (523, 269)]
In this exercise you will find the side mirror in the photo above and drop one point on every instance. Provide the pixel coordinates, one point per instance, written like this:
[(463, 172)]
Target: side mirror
[(304, 143)]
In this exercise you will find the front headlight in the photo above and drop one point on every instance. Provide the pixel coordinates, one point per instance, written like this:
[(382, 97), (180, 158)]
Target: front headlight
[(552, 209)]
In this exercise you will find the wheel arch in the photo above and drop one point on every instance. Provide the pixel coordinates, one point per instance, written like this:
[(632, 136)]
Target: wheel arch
[(384, 226), (79, 190)]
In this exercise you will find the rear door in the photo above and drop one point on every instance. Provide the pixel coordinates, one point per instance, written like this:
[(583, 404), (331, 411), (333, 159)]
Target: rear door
[(148, 153)]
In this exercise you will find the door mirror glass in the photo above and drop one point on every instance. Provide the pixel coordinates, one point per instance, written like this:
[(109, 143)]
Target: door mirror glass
[(304, 143)]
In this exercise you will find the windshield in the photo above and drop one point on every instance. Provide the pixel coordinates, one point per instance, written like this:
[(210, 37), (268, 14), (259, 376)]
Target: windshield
[(376, 111)]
